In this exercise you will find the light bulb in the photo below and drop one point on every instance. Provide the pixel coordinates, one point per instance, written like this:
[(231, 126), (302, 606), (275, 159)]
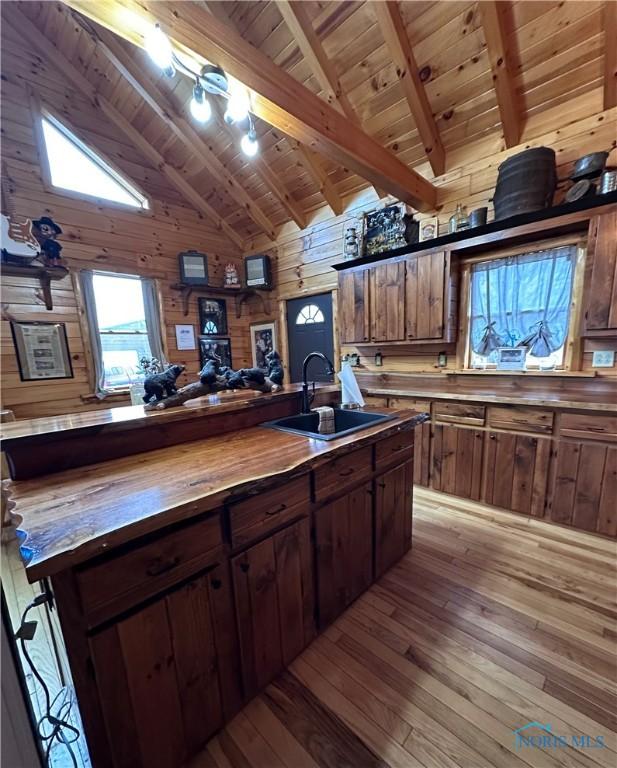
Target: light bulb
[(158, 46), (238, 104), (249, 144), (200, 106)]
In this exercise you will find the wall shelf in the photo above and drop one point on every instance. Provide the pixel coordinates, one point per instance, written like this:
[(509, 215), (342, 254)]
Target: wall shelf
[(43, 274), (241, 295)]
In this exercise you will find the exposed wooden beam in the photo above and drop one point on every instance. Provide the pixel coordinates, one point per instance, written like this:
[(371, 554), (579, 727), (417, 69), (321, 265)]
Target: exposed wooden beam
[(82, 84), (313, 167), (299, 23), (397, 43), (501, 67), (179, 127), (610, 54), (276, 97)]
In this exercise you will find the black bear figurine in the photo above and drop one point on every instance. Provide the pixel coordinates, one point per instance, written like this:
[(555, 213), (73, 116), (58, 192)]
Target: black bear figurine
[(253, 376), (160, 385), (208, 373), (275, 367)]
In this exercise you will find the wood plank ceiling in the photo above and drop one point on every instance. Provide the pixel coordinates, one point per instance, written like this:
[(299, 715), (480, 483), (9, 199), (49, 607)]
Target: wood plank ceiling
[(477, 68)]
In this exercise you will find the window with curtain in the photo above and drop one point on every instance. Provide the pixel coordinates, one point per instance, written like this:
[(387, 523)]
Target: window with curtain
[(124, 323), (522, 300)]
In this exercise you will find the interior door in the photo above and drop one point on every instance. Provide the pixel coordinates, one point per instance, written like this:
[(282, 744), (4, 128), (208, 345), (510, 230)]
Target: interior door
[(309, 329)]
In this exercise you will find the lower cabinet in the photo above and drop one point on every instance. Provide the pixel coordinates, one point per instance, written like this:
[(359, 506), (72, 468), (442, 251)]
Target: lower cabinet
[(516, 472), (180, 676), (273, 586), (585, 486), (344, 551), (457, 460), (393, 516)]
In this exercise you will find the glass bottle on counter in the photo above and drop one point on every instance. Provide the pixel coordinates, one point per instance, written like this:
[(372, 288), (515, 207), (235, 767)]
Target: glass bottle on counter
[(459, 221)]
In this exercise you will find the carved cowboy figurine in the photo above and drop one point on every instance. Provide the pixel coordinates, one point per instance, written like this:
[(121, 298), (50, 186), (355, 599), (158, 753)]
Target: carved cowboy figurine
[(46, 231)]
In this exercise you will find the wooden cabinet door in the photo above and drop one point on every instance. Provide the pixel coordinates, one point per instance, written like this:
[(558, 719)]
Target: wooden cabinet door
[(168, 674), (425, 295), (457, 460), (344, 544), (354, 306), (601, 310), (393, 516), (584, 490), (388, 302), (273, 586), (421, 455), (516, 471)]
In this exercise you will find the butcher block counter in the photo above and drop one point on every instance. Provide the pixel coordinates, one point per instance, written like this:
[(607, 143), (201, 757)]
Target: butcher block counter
[(187, 576)]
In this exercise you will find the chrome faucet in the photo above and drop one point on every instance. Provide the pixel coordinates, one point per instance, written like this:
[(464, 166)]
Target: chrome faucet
[(306, 398)]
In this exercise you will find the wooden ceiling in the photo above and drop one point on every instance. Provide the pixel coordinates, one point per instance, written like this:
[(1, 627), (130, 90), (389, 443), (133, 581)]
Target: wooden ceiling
[(417, 79)]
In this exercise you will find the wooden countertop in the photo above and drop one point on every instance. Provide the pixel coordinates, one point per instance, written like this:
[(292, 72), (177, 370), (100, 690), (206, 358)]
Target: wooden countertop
[(135, 416), (69, 517), (556, 400)]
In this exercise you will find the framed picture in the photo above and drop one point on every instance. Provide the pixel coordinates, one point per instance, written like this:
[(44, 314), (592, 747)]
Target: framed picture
[(185, 337), (263, 341), (429, 228), (215, 349), (42, 351), (511, 358), (193, 268), (212, 317)]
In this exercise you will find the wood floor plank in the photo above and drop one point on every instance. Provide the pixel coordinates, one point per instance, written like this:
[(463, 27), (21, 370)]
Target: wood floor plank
[(491, 621)]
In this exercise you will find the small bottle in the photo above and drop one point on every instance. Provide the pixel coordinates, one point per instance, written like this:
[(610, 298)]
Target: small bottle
[(462, 220), (351, 244)]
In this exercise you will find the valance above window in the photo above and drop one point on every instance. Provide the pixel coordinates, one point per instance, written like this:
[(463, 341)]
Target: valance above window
[(522, 300)]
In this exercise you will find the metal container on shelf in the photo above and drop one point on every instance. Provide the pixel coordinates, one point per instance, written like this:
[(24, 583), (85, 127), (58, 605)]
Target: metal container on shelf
[(526, 182), (608, 182), (477, 218)]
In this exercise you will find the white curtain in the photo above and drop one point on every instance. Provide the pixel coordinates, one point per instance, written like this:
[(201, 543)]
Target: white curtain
[(153, 320), (87, 290)]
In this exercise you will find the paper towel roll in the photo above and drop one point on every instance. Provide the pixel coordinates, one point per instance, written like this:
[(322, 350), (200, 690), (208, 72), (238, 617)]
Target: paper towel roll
[(349, 385)]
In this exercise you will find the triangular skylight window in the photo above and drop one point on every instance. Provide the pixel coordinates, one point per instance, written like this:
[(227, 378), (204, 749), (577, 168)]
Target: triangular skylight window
[(75, 167)]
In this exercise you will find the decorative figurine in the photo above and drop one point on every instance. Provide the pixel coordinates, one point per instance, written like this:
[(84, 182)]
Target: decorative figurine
[(46, 231), (352, 244), (231, 276), (209, 372), (275, 367), (159, 385)]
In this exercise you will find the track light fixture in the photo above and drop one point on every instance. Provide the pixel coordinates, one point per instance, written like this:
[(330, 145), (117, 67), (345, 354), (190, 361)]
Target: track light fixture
[(210, 79)]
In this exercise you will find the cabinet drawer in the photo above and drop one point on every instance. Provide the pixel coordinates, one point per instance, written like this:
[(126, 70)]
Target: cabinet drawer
[(112, 585), (521, 419), (346, 471), (394, 450), (251, 518), (459, 413), (589, 427)]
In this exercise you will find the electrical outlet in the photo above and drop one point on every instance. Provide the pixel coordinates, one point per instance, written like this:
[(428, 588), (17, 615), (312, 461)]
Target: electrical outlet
[(603, 358)]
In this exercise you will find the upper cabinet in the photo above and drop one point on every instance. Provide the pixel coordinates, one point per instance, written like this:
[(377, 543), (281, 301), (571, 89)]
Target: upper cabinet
[(412, 300), (601, 295), (354, 307)]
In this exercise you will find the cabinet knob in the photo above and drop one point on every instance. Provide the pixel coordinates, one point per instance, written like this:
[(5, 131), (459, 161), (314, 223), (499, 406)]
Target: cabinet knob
[(216, 583), (346, 472), (244, 567), (381, 485), (162, 566), (276, 511)]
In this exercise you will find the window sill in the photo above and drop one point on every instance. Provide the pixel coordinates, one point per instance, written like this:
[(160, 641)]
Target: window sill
[(118, 396), (495, 372)]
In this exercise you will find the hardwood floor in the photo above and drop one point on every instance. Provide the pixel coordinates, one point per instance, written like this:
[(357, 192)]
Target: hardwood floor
[(491, 622)]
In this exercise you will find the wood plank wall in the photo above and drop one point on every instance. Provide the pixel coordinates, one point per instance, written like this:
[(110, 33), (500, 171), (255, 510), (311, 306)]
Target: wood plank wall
[(304, 258), (110, 238)]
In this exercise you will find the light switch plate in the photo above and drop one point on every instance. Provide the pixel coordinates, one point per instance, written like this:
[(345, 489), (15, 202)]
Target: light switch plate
[(603, 358)]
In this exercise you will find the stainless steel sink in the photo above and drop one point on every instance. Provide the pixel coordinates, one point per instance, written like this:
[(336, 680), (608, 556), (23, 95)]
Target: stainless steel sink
[(345, 422)]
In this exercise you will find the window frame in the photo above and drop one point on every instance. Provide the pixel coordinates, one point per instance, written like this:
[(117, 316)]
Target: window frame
[(572, 344), (85, 327), (40, 111)]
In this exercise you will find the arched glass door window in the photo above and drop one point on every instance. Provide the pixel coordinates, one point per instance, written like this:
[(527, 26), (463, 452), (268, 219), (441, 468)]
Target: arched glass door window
[(310, 313)]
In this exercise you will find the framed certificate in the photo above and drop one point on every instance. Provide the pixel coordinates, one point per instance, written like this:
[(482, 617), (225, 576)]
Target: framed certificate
[(42, 351)]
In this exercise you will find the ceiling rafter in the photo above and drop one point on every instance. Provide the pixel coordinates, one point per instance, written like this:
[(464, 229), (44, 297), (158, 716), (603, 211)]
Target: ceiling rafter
[(306, 159), (610, 55), (179, 127), (82, 84), (299, 23), (277, 98), (397, 42), (501, 68)]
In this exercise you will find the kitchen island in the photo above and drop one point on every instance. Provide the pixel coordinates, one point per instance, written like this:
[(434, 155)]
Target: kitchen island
[(187, 577)]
